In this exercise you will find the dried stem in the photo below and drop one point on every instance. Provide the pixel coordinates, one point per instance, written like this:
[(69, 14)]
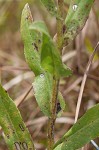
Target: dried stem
[(83, 82), (27, 93), (82, 89)]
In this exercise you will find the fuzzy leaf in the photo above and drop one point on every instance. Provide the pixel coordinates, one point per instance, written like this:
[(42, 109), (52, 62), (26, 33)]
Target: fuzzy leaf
[(43, 92), (86, 129), (51, 7), (76, 18), (15, 132), (50, 57), (31, 42), (40, 27)]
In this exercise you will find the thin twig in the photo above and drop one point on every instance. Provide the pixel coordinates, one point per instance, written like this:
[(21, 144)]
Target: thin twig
[(90, 76), (31, 87), (93, 77), (83, 83), (82, 89), (72, 86)]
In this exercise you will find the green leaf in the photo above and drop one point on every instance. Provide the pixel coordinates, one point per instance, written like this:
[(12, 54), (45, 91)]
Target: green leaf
[(43, 92), (50, 6), (15, 132), (40, 51), (86, 129), (39, 26), (42, 57), (49, 55), (76, 18), (31, 42)]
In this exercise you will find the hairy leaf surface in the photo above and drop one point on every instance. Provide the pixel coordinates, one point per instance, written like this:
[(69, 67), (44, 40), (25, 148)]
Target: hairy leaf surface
[(31, 42), (43, 58), (50, 6), (86, 129), (50, 57), (15, 132), (76, 18), (43, 92)]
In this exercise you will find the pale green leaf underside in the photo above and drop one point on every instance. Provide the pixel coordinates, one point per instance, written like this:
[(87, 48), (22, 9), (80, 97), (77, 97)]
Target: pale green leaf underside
[(76, 17), (15, 132), (86, 129), (50, 6), (31, 42), (43, 92)]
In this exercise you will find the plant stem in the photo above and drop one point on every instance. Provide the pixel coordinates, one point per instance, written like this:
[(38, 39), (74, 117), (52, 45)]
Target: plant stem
[(60, 26), (59, 43), (51, 121)]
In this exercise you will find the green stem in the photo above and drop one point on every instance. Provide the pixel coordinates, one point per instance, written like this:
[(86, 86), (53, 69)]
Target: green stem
[(59, 43), (51, 121), (60, 26)]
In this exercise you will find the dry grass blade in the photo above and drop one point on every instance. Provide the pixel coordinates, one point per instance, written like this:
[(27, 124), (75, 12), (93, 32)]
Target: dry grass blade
[(73, 85), (93, 77), (68, 56), (11, 68), (17, 80), (83, 82), (43, 120)]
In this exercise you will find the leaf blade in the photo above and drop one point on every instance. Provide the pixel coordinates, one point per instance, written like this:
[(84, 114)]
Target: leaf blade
[(30, 45), (76, 18), (50, 6), (50, 57), (43, 92), (15, 131), (77, 136)]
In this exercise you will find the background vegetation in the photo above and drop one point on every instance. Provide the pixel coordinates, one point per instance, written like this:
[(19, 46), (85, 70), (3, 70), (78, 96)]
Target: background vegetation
[(17, 78)]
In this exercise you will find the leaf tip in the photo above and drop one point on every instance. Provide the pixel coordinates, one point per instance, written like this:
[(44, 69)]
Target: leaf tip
[(26, 6), (27, 13)]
